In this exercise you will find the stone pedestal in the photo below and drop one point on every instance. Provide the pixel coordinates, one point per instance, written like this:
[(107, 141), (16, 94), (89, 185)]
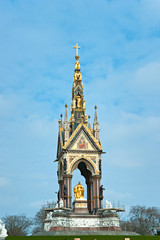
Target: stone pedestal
[(80, 206), (65, 220)]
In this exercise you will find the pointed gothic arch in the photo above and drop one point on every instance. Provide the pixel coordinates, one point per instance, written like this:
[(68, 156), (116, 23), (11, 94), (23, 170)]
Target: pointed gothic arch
[(82, 159)]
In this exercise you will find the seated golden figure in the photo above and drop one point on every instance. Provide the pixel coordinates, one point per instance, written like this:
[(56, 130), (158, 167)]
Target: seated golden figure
[(78, 191)]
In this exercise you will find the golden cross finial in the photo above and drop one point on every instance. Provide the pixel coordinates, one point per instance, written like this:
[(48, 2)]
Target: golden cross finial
[(76, 47)]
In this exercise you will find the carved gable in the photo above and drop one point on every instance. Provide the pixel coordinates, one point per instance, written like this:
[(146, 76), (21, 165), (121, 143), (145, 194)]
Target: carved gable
[(82, 139), (82, 143)]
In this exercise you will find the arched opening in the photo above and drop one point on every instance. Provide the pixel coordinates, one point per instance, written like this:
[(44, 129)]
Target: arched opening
[(77, 177), (83, 165), (82, 171)]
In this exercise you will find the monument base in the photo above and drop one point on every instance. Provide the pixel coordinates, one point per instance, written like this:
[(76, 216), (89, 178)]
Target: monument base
[(80, 206), (63, 220)]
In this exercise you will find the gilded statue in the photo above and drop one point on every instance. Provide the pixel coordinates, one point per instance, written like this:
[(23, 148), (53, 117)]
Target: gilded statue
[(78, 102), (74, 103), (78, 191), (84, 104), (77, 65)]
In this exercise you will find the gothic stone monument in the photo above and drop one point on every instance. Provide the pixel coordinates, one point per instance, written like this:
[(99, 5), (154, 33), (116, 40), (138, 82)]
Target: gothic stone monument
[(79, 147)]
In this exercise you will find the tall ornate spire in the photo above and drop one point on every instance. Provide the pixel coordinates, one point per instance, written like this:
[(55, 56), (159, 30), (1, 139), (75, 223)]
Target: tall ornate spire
[(61, 123), (66, 115), (96, 126), (78, 103), (89, 122), (66, 126), (95, 116)]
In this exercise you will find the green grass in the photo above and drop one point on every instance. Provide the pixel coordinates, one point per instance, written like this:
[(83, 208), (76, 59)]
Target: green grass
[(89, 237)]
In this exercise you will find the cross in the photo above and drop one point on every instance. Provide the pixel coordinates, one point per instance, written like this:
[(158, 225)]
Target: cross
[(77, 47)]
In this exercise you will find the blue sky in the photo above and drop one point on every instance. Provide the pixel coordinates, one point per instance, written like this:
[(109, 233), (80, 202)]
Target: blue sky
[(120, 65)]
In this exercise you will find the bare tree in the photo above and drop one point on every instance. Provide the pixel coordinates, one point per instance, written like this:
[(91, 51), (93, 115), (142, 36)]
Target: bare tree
[(39, 221), (17, 225), (40, 216), (142, 220)]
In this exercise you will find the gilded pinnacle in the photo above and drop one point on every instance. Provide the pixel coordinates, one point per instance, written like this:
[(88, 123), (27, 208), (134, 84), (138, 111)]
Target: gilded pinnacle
[(59, 122), (76, 47)]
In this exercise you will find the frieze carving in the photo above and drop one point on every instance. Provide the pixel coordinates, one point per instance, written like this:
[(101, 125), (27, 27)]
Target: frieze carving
[(93, 158), (87, 151)]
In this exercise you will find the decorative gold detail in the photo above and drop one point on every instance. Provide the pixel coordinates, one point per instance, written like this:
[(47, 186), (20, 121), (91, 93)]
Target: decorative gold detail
[(77, 76), (77, 65), (78, 191), (84, 104), (76, 47), (82, 118), (74, 103)]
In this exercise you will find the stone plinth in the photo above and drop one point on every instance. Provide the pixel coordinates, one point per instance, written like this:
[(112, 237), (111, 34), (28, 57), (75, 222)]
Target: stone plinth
[(80, 206), (71, 221)]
